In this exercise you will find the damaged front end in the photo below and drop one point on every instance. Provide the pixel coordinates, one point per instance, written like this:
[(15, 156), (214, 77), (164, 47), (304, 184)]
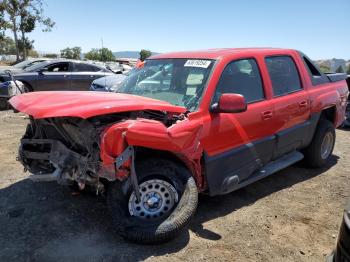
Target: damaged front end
[(63, 149), (89, 151)]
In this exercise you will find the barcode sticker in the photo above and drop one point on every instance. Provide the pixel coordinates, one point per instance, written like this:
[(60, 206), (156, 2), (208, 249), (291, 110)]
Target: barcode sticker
[(197, 63)]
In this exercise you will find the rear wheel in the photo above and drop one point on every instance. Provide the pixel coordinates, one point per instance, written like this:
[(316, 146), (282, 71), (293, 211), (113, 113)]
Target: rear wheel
[(168, 196), (322, 145)]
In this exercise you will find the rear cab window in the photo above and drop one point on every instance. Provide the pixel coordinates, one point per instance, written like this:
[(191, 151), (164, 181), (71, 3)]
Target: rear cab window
[(241, 77), (284, 75)]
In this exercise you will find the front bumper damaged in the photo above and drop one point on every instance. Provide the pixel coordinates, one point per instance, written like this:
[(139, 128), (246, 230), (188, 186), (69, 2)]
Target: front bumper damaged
[(40, 156)]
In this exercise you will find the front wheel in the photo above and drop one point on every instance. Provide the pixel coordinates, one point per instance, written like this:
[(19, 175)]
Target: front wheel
[(322, 145), (169, 199)]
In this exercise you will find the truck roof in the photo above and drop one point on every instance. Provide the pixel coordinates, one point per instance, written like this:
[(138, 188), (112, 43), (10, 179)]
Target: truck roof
[(221, 52)]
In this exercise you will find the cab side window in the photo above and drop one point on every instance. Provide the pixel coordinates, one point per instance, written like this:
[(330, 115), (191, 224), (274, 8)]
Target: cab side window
[(241, 77), (81, 67), (283, 74), (59, 67)]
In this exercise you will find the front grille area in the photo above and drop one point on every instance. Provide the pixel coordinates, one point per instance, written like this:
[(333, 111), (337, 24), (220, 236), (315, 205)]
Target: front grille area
[(71, 144)]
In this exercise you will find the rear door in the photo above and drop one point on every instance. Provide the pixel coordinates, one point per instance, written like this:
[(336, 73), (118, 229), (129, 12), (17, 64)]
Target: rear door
[(55, 76), (83, 75), (291, 104)]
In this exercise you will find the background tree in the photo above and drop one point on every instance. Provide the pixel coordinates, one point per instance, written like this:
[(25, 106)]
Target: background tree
[(348, 71), (103, 54), (67, 53), (76, 52), (7, 46), (26, 25), (11, 7), (325, 69), (25, 45), (106, 55), (33, 53), (145, 54), (71, 53), (93, 54), (53, 56), (3, 22), (24, 16), (339, 69)]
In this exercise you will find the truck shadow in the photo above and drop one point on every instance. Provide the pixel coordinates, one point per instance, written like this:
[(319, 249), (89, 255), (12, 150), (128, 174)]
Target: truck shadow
[(46, 222)]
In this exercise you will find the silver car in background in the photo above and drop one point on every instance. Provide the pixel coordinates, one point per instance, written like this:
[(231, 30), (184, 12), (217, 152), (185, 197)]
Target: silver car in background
[(111, 83)]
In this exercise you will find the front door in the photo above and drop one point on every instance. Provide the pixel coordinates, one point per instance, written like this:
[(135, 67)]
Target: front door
[(244, 142), (55, 77)]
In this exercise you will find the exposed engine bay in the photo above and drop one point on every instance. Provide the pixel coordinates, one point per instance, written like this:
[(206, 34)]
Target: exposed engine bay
[(67, 149)]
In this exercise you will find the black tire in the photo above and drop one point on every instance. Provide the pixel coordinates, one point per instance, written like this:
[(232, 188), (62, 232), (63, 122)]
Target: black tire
[(166, 228), (4, 105), (27, 88), (313, 153)]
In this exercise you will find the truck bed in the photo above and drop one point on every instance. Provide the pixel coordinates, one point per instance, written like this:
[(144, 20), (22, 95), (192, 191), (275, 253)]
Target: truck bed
[(335, 77)]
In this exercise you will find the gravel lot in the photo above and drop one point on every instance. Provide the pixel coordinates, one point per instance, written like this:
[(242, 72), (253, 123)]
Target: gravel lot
[(293, 215)]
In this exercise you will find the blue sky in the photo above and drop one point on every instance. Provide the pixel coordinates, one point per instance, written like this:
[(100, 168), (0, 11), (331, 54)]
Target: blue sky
[(320, 28)]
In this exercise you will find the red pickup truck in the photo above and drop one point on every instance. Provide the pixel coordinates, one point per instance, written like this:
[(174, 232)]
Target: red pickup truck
[(209, 121)]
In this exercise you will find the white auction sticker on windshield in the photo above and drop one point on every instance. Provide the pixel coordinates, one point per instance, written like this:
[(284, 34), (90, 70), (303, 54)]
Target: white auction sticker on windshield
[(197, 63)]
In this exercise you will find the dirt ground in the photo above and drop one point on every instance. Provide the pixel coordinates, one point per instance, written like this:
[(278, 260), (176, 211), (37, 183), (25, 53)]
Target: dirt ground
[(293, 215)]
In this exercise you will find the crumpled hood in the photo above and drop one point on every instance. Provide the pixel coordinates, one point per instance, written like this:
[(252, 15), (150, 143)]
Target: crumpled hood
[(85, 104)]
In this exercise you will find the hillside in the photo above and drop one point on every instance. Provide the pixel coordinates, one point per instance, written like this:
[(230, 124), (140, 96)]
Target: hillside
[(333, 64), (129, 54)]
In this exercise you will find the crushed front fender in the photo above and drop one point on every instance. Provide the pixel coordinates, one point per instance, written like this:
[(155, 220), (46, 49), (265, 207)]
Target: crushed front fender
[(182, 139)]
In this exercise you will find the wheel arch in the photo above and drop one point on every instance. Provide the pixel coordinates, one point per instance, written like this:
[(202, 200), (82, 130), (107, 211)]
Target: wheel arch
[(329, 113), (143, 153), (28, 85)]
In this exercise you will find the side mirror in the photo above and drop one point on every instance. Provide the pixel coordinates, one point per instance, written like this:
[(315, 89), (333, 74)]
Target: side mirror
[(229, 103)]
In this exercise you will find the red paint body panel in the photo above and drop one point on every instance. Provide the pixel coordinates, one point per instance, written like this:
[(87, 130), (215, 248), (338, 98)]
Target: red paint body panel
[(181, 139), (202, 131), (85, 104)]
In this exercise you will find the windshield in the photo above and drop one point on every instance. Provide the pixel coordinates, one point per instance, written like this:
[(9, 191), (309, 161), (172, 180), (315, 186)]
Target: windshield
[(22, 64), (27, 63), (177, 81)]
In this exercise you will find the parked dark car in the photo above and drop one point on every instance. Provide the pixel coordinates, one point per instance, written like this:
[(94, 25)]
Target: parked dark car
[(58, 75), (342, 251)]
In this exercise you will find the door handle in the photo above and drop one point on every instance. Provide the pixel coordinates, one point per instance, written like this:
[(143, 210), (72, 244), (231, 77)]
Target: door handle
[(303, 103), (266, 115)]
